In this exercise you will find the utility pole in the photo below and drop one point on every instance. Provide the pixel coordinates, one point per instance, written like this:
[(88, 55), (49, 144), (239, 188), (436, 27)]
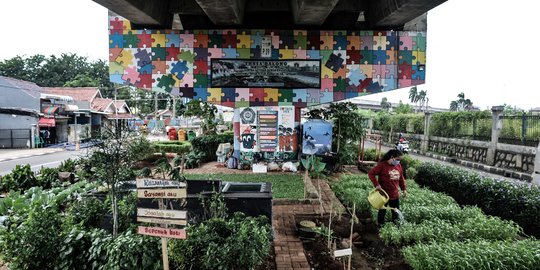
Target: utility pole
[(155, 101), (174, 106)]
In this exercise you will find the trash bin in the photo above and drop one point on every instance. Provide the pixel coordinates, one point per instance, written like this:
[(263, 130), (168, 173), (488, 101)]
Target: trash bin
[(191, 135), (172, 134), (181, 135)]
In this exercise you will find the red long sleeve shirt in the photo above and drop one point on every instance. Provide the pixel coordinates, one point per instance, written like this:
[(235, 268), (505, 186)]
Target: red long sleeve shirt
[(390, 177)]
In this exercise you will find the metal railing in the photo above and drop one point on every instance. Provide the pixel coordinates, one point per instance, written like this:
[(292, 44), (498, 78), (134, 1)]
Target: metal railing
[(520, 129)]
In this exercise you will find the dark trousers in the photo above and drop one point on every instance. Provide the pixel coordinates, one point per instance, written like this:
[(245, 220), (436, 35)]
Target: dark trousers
[(394, 203)]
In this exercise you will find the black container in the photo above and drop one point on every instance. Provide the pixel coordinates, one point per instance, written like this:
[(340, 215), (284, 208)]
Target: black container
[(253, 199)]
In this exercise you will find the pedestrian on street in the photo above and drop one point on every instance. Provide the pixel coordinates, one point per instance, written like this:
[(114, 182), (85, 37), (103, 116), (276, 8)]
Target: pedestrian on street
[(387, 175)]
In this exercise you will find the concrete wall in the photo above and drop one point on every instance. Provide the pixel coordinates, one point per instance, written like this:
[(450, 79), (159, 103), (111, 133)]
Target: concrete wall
[(8, 121)]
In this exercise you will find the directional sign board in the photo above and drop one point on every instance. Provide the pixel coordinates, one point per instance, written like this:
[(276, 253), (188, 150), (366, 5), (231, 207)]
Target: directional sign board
[(162, 232), (159, 183), (182, 222), (172, 214), (176, 193)]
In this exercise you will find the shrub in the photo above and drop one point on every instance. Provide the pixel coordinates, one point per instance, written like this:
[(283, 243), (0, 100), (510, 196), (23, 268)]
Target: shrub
[(178, 147), (206, 146), (509, 200)]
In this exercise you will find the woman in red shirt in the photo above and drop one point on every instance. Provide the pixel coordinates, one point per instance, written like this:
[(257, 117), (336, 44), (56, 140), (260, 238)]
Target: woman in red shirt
[(390, 177)]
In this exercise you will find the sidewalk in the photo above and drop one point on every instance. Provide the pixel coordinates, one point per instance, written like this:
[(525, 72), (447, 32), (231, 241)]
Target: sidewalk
[(10, 154)]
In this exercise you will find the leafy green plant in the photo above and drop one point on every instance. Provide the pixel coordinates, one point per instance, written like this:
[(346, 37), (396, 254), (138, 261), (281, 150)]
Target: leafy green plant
[(237, 243), (145, 172), (67, 165), (436, 230), (86, 212), (20, 178), (48, 177), (480, 255), (314, 165), (133, 251), (32, 242)]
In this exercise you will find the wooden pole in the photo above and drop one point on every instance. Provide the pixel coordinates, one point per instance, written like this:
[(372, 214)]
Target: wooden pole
[(164, 250), (350, 236)]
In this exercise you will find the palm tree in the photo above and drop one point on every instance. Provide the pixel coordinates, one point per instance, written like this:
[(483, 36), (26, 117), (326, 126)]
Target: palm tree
[(461, 104), (413, 95), (422, 98)]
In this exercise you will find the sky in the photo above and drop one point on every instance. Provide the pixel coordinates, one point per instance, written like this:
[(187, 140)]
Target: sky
[(486, 49)]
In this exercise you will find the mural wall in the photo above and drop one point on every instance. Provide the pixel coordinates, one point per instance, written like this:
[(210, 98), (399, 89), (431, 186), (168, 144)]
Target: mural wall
[(267, 133), (352, 63)]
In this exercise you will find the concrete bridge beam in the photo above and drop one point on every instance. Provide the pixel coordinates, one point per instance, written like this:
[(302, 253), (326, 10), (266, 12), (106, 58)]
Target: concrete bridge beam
[(149, 14), (224, 12), (312, 12), (396, 13)]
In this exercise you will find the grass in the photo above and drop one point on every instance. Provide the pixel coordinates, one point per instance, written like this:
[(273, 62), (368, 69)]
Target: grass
[(284, 186)]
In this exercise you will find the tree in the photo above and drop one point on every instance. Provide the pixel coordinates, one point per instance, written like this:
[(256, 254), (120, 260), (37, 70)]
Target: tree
[(385, 105), (423, 100), (205, 111), (65, 70), (413, 94), (461, 104), (404, 108), (112, 162)]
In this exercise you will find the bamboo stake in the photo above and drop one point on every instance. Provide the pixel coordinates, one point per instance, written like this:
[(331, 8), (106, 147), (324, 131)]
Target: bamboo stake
[(350, 236), (330, 224)]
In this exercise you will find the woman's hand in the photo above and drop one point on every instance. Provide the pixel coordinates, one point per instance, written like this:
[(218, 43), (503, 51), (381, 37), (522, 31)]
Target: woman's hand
[(405, 194)]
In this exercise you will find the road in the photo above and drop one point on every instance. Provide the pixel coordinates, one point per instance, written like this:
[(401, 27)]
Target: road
[(36, 162), (369, 144)]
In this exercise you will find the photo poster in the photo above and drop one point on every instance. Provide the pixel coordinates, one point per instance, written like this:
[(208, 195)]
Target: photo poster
[(248, 130), (287, 137), (268, 130)]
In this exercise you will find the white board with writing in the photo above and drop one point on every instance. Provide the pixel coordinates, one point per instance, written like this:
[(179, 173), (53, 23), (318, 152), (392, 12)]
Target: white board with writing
[(159, 183), (172, 214), (342, 252)]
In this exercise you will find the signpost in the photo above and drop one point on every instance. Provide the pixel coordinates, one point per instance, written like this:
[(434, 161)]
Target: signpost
[(162, 189)]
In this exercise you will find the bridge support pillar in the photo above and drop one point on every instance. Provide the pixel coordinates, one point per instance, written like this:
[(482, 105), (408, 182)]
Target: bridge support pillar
[(496, 127)]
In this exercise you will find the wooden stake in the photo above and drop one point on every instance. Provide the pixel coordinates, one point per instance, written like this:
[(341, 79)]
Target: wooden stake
[(350, 236)]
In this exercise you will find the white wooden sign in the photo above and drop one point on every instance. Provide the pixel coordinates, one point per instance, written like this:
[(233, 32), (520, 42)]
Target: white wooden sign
[(177, 193), (342, 252), (162, 232), (159, 183), (172, 214), (182, 222)]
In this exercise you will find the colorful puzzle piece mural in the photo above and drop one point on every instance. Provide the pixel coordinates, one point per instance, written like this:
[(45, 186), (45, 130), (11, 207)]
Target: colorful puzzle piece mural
[(353, 63)]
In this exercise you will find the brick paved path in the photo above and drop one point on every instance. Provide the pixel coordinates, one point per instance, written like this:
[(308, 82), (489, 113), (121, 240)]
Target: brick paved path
[(288, 247)]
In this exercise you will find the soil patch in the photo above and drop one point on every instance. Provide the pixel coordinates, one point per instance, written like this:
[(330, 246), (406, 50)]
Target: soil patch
[(369, 251)]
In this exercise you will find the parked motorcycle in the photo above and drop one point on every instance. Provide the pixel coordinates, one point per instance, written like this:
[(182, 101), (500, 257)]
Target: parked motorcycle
[(403, 146)]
